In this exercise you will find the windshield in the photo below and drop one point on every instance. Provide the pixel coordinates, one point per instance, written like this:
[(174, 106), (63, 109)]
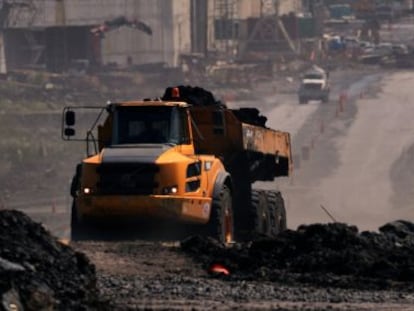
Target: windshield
[(313, 76), (150, 125)]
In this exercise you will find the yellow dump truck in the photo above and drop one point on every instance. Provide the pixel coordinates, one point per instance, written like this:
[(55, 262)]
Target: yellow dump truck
[(184, 158)]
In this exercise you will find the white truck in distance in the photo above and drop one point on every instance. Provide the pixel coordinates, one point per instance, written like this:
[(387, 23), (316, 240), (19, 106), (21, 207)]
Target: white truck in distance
[(314, 85)]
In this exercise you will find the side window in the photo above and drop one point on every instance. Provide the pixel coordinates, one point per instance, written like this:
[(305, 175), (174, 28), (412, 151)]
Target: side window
[(179, 127), (184, 128)]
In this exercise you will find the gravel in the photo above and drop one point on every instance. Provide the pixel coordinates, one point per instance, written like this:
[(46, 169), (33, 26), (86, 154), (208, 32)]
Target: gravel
[(317, 267)]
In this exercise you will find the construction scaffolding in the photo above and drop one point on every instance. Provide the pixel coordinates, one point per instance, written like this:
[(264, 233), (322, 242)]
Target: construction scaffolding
[(226, 28), (260, 34), (266, 35)]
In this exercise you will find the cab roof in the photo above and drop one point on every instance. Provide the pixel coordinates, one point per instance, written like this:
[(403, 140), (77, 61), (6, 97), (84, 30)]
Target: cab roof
[(154, 103)]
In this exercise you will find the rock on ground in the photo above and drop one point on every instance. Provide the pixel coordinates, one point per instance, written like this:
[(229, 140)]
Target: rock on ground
[(37, 272)]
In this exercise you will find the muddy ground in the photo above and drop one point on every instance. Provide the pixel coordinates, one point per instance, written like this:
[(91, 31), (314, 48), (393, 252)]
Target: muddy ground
[(317, 267)]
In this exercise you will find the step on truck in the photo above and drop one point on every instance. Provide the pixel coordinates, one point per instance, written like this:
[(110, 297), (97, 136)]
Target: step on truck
[(184, 158)]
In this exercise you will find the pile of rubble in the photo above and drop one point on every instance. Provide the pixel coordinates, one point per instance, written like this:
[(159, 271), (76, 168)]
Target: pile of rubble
[(37, 272), (333, 254)]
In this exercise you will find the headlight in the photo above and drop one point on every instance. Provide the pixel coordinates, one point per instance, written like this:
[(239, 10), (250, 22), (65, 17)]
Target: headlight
[(87, 190), (170, 190)]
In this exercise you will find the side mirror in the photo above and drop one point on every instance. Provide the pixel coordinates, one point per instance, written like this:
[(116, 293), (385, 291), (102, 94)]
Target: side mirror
[(70, 118)]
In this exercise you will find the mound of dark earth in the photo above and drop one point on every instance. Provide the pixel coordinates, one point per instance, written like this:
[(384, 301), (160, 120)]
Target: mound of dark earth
[(37, 272), (321, 254)]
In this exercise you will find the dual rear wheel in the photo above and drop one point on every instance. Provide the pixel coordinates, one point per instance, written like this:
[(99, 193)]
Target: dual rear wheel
[(266, 217), (268, 212)]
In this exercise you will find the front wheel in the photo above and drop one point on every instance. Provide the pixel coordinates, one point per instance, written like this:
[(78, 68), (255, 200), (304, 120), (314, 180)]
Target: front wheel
[(221, 224), (79, 229), (325, 99)]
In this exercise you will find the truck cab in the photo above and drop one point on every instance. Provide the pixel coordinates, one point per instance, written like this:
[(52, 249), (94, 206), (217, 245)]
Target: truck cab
[(314, 85)]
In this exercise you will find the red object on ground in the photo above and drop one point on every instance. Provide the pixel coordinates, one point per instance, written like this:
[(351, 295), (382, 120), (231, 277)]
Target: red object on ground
[(218, 269)]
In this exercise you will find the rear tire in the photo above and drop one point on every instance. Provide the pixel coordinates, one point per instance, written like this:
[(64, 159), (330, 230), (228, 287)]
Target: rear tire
[(261, 214), (221, 224), (277, 212)]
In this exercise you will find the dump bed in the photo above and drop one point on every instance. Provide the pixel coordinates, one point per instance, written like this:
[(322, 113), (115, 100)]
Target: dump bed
[(225, 133), (234, 134), (265, 140)]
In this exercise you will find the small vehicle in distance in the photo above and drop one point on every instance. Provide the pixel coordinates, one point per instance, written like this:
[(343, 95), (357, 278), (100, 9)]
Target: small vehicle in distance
[(314, 85)]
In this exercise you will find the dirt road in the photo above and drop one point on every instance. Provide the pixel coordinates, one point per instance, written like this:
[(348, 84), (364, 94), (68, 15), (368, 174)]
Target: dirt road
[(359, 159), (159, 276), (350, 171)]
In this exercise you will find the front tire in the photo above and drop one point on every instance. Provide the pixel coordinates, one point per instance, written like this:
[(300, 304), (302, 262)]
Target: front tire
[(79, 229), (75, 184), (221, 224)]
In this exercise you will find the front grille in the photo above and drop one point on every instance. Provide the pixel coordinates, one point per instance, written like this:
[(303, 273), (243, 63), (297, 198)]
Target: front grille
[(313, 86), (127, 178)]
